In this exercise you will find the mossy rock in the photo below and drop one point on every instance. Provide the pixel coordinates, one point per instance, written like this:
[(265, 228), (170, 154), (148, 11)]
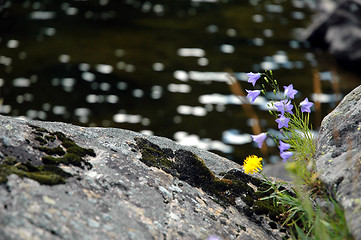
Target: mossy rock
[(190, 168), (73, 153), (48, 171), (52, 151), (49, 175)]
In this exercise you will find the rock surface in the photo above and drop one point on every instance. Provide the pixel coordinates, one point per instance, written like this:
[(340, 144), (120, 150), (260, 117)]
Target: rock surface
[(60, 181), (338, 157), (72, 182), (337, 28)]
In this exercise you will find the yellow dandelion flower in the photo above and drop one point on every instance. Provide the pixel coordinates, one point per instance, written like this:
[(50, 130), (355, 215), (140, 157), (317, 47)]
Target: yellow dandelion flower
[(252, 164)]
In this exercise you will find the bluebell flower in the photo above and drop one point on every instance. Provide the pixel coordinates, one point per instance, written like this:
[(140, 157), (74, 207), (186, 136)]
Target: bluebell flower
[(284, 106), (253, 94), (282, 122), (259, 139), (286, 155), (290, 92), (253, 77), (306, 105), (283, 146)]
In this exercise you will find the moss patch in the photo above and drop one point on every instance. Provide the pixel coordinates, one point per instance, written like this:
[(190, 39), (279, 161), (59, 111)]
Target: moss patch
[(234, 184), (73, 154), (49, 175), (52, 151), (58, 149)]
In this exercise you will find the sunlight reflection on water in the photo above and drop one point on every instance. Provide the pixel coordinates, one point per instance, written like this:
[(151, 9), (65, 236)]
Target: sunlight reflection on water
[(154, 67)]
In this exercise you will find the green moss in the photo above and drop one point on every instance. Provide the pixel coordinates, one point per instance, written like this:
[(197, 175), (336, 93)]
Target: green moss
[(52, 151), (152, 155), (183, 164), (266, 207), (261, 207), (42, 174), (65, 141), (73, 155), (52, 160), (56, 170), (82, 152), (72, 147), (10, 161), (39, 129), (51, 138), (38, 133), (248, 199), (68, 152), (190, 168), (193, 170), (41, 140), (44, 177), (68, 158)]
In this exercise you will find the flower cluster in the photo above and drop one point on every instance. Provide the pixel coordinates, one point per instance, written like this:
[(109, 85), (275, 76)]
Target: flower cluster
[(284, 110)]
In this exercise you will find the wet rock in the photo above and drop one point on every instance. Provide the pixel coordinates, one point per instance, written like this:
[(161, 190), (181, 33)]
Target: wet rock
[(60, 181), (338, 157), (337, 28)]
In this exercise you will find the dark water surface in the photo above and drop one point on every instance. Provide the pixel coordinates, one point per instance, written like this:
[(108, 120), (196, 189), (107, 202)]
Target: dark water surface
[(157, 67)]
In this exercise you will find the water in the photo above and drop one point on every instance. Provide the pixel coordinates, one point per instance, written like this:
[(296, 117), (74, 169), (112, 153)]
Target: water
[(158, 67)]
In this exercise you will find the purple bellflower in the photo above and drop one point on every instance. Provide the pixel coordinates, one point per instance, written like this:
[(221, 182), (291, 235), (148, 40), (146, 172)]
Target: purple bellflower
[(284, 106), (306, 105), (253, 94), (253, 77), (290, 92), (259, 139), (282, 122), (286, 155), (283, 146)]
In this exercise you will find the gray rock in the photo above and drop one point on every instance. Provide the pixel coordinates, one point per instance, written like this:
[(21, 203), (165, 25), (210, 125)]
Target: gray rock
[(101, 184), (338, 156), (337, 28)]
